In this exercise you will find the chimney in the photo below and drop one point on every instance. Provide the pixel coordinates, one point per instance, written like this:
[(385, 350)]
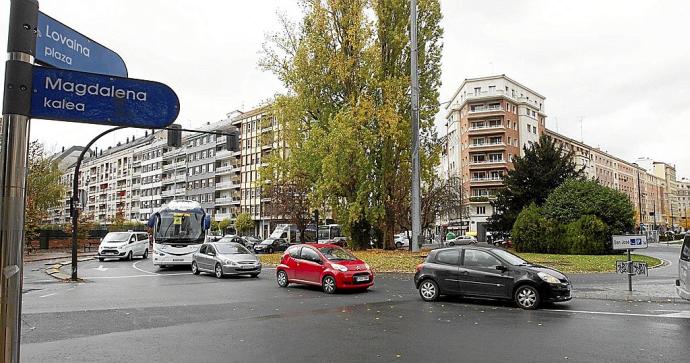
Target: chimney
[(63, 149), (146, 133), (127, 140)]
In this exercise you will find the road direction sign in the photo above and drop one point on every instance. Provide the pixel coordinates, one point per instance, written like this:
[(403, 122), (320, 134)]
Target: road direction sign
[(629, 242), (60, 46), (66, 95)]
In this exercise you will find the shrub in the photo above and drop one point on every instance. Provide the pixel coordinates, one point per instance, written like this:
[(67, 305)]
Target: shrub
[(587, 236), (529, 230)]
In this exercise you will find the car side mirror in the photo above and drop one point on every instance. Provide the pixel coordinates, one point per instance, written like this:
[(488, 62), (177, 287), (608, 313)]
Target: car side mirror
[(501, 268)]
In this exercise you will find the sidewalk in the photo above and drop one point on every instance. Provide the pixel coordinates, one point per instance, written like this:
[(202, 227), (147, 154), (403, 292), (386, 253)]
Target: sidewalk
[(55, 254), (643, 291)]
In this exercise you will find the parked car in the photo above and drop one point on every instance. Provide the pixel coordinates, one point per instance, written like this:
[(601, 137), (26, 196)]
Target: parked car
[(489, 272), (253, 240), (237, 239), (124, 245), (462, 241), (683, 282), (225, 258), (325, 265), (271, 245), (402, 241)]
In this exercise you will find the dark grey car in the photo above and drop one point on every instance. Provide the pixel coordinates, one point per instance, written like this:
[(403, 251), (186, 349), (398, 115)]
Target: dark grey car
[(225, 259)]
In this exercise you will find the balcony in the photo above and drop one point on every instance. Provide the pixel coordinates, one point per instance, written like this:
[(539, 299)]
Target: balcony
[(488, 146), (223, 201), (167, 193), (486, 181), (221, 216), (486, 164), (222, 154), (484, 130), (224, 185), (235, 200), (482, 111)]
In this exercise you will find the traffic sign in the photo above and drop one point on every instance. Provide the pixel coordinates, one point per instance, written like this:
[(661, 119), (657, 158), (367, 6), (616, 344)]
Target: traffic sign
[(60, 46), (629, 242), (66, 95)]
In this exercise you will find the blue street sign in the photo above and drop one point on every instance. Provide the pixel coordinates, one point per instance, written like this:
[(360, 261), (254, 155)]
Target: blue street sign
[(60, 46), (65, 95)]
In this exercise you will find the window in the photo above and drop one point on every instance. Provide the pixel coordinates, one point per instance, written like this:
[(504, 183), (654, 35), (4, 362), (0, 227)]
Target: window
[(477, 90), (529, 128), (294, 251), (481, 259), (492, 89), (310, 255), (450, 257), (481, 211), (685, 251)]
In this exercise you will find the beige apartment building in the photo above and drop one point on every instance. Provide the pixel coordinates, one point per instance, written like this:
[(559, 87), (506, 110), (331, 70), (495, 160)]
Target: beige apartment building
[(490, 119)]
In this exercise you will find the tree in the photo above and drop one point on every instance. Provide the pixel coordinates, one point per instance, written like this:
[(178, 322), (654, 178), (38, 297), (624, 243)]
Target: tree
[(85, 224), (533, 232), (214, 226), (576, 198), (224, 224), (587, 236), (244, 223), (290, 200), (345, 117), (543, 168), (43, 188)]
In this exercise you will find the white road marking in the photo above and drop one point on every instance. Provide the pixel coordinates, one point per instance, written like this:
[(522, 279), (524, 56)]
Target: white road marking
[(682, 315), (55, 293), (130, 276), (101, 268), (134, 265)]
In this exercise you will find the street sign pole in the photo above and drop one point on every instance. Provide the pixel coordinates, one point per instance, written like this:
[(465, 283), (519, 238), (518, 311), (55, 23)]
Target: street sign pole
[(21, 48), (630, 273), (414, 96)]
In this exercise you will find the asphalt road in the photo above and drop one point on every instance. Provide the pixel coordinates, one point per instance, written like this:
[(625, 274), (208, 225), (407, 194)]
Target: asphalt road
[(130, 311)]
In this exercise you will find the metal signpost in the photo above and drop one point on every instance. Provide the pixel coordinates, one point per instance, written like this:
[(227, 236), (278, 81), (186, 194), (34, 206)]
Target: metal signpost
[(63, 93), (62, 47), (630, 242)]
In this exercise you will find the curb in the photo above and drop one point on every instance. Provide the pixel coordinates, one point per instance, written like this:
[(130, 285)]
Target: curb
[(640, 298), (54, 270), (55, 258)]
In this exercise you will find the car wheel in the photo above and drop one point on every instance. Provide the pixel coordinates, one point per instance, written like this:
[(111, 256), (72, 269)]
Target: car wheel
[(527, 297), (497, 244), (195, 268), (451, 243), (270, 250), (129, 256), (328, 285), (282, 278), (219, 271), (146, 254), (398, 245), (428, 290)]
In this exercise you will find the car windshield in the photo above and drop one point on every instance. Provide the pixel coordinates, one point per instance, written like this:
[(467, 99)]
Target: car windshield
[(231, 249), (180, 227), (268, 242), (509, 257), (116, 237), (336, 254)]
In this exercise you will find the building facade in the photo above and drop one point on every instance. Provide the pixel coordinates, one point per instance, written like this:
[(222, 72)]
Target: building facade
[(489, 121)]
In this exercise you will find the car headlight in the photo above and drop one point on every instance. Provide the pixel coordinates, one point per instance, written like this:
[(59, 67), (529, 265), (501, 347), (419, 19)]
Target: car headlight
[(338, 267), (548, 278), (366, 266), (230, 262)]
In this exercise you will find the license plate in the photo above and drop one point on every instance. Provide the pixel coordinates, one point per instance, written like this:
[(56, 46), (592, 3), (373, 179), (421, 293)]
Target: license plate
[(178, 259), (361, 278)]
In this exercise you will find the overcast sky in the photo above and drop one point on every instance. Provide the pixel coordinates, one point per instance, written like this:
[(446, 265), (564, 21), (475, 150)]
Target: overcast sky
[(621, 67)]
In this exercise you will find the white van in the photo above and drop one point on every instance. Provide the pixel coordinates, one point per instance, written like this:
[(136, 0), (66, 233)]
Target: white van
[(683, 282), (124, 245)]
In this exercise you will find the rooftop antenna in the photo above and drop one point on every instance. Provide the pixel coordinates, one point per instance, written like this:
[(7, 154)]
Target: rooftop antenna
[(582, 140)]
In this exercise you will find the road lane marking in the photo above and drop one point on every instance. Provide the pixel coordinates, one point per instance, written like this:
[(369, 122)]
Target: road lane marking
[(131, 276), (682, 315), (134, 265), (101, 268), (55, 293)]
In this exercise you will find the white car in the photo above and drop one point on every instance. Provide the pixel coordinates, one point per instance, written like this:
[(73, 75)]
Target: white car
[(462, 241), (683, 282), (124, 245)]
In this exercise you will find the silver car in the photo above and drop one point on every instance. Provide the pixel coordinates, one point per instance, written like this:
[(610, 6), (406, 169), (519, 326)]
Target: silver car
[(223, 259)]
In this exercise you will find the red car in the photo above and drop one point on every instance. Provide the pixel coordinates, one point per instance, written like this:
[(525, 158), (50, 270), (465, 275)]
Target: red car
[(325, 265)]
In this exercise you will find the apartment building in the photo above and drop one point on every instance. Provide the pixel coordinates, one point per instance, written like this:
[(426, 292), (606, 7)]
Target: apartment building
[(260, 135), (489, 120)]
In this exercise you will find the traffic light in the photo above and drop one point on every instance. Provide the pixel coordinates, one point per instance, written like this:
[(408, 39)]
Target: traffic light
[(316, 216), (175, 135), (232, 141)]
